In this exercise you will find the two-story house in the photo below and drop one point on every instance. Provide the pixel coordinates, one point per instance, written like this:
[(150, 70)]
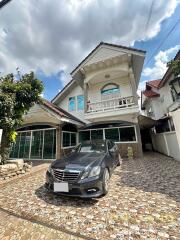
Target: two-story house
[(160, 101), (100, 102)]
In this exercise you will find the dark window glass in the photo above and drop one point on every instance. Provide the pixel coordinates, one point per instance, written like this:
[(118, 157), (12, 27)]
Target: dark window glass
[(112, 134), (15, 148), (49, 144), (127, 134), (36, 145), (24, 145), (96, 134), (73, 139), (69, 139), (84, 136), (66, 139)]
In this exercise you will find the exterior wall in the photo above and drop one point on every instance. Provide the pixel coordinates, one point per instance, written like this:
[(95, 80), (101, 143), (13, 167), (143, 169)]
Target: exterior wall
[(167, 144), (124, 146), (176, 120), (160, 104), (166, 98), (94, 91), (158, 111), (64, 104), (103, 53)]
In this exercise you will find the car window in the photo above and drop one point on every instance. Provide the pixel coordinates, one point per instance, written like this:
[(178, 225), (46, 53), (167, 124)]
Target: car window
[(97, 147)]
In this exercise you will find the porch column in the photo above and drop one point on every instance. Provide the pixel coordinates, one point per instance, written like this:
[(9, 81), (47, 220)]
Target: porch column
[(133, 85), (139, 140), (85, 97), (58, 141)]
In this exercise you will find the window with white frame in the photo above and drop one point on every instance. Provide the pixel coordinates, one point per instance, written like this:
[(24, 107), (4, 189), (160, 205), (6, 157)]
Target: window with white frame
[(80, 102), (72, 104), (69, 139)]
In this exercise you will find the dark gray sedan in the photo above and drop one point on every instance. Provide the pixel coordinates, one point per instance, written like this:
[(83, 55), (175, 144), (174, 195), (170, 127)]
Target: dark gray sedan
[(86, 171)]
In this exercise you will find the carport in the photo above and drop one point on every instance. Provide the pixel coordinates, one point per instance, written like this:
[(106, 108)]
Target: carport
[(146, 124)]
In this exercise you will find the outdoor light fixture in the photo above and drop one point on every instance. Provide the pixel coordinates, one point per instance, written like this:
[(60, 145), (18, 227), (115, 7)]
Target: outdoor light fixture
[(175, 83)]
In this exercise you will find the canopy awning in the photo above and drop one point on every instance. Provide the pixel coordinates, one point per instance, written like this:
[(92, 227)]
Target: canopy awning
[(146, 122)]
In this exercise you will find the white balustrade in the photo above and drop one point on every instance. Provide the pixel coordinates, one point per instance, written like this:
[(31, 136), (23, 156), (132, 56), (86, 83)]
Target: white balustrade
[(110, 104)]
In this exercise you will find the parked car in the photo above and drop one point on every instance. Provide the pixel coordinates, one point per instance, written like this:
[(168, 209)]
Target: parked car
[(86, 171)]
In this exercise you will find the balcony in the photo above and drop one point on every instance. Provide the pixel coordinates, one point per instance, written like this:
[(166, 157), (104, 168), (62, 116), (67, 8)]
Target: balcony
[(111, 107)]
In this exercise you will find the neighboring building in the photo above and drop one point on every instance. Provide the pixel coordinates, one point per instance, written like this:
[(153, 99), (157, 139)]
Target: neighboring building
[(161, 102), (99, 102)]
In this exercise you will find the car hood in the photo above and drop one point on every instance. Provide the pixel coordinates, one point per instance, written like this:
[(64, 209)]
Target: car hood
[(79, 161)]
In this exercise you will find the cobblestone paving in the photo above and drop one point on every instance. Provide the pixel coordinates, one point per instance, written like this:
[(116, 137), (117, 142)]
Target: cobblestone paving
[(143, 203), (12, 228)]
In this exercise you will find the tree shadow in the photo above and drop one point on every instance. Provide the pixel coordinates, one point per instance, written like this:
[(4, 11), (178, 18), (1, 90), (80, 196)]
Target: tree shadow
[(153, 173), (63, 200)]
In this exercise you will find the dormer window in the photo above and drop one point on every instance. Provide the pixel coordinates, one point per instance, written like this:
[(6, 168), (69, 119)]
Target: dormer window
[(110, 90)]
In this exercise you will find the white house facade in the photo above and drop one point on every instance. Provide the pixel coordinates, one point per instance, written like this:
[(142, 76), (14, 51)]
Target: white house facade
[(161, 102), (100, 102)]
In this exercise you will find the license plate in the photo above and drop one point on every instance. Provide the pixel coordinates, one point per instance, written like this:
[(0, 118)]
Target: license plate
[(61, 187)]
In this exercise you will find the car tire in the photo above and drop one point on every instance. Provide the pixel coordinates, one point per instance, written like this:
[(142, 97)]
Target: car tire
[(106, 177)]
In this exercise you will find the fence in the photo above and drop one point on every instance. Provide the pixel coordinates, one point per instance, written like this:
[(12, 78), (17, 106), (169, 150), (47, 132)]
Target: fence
[(167, 144)]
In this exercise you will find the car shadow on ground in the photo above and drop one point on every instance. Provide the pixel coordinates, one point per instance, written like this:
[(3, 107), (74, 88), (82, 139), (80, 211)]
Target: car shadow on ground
[(151, 174), (60, 200)]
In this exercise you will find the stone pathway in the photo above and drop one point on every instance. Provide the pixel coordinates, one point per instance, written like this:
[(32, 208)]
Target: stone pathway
[(143, 203), (13, 228)]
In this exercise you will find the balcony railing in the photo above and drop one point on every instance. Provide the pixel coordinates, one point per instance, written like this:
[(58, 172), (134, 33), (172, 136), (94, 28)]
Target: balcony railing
[(110, 104)]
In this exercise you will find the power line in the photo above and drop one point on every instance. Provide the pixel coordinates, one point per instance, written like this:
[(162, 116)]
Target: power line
[(162, 42), (4, 2), (149, 17)]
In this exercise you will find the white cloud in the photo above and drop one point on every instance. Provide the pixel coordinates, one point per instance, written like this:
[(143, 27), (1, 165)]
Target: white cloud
[(160, 65), (56, 35)]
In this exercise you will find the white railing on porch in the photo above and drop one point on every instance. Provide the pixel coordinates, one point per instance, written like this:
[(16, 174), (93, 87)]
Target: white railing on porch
[(110, 104)]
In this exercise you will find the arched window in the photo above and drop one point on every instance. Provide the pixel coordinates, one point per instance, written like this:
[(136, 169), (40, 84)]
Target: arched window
[(110, 90)]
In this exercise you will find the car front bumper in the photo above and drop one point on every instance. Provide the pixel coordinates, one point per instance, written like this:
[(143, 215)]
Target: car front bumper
[(87, 188)]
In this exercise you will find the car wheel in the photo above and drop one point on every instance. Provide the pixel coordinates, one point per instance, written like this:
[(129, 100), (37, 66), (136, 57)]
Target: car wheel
[(106, 178)]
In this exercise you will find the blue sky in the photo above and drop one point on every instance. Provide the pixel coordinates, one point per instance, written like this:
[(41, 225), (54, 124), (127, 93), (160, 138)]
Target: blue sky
[(53, 85), (52, 37)]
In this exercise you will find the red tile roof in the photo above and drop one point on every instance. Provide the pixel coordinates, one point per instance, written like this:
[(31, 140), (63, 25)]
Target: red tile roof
[(154, 83), (59, 111), (150, 93)]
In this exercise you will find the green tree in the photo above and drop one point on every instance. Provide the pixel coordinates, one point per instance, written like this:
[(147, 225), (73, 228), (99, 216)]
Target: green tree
[(16, 98), (175, 66)]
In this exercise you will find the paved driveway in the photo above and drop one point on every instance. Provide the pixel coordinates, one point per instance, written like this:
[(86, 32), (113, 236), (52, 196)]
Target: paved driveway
[(143, 203)]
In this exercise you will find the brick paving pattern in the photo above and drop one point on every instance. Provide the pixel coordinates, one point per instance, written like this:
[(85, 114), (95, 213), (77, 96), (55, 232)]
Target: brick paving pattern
[(143, 203)]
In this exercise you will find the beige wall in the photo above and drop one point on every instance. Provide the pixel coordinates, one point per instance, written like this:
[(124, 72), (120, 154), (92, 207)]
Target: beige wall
[(64, 103), (94, 91), (176, 120), (167, 144)]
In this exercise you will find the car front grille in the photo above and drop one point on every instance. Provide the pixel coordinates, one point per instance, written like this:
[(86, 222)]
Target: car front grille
[(66, 176)]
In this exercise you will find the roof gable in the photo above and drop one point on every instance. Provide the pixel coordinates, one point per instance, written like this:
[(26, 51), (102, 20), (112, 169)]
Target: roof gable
[(102, 53), (107, 50)]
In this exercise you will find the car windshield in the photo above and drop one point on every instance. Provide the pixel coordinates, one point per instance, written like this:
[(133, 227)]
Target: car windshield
[(96, 146)]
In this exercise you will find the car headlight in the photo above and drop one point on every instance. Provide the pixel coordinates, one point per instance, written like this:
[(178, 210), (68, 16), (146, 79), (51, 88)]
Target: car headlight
[(95, 171)]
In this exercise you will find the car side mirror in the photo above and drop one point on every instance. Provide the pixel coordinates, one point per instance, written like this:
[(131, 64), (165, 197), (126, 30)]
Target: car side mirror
[(112, 150)]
